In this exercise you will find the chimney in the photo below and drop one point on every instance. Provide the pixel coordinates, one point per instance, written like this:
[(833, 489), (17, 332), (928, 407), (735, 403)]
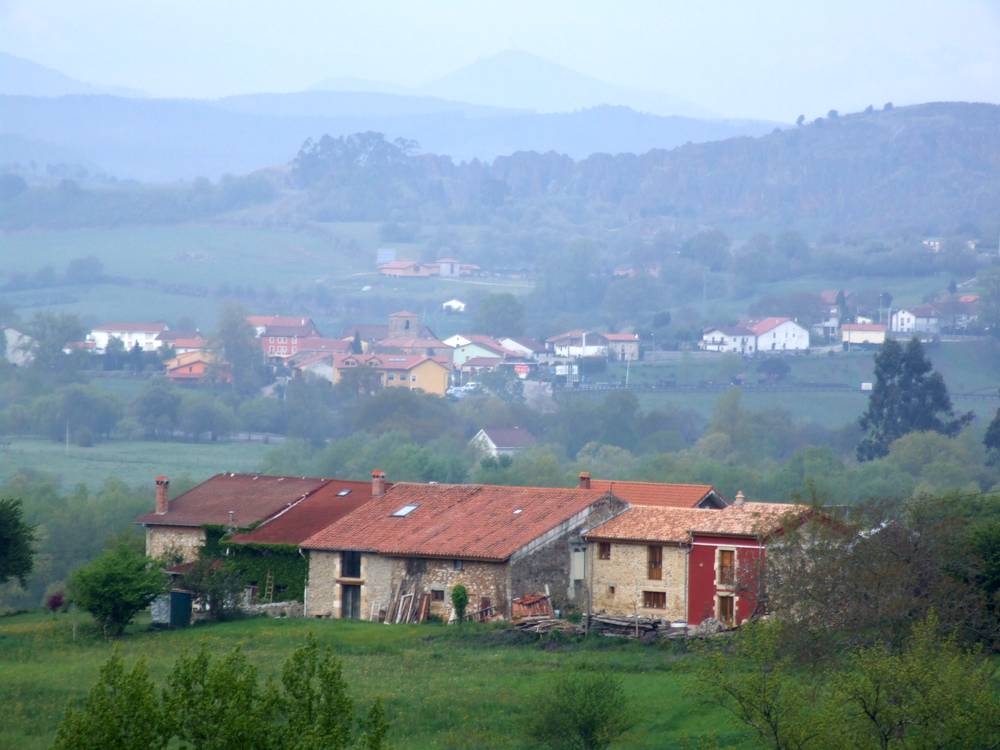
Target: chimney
[(740, 498), (162, 495), (584, 480), (378, 483)]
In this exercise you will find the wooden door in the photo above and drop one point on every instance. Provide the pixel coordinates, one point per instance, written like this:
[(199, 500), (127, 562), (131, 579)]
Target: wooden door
[(727, 610)]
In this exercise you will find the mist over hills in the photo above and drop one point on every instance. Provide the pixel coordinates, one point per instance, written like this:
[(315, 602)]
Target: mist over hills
[(26, 78), (168, 139)]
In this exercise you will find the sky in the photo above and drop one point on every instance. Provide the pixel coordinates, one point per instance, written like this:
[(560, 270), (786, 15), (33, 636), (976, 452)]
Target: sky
[(771, 59)]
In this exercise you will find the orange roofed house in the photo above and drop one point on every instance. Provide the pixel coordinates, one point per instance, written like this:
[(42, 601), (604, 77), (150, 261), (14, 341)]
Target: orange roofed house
[(683, 563), (421, 540), (414, 371), (254, 520)]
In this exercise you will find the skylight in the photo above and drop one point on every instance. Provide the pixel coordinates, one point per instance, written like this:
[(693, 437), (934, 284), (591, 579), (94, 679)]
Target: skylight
[(405, 511), (343, 492)]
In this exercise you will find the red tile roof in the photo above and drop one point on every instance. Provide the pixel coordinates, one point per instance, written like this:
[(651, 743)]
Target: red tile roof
[(252, 498), (760, 327), (313, 514), (474, 521), (387, 361), (411, 342), (646, 523), (621, 336), (656, 493)]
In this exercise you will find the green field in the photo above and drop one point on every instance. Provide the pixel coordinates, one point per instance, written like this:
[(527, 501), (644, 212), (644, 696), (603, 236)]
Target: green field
[(134, 462), (443, 688)]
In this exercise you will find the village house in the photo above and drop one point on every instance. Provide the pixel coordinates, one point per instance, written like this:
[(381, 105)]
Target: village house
[(145, 335), (179, 527), (664, 494), (413, 345), (684, 564), (578, 343), (196, 366), (523, 347), (471, 346), (502, 441), (453, 306), (917, 319), (279, 336), (623, 346), (182, 342), (862, 335), (779, 335), (414, 371), (733, 339), (410, 547)]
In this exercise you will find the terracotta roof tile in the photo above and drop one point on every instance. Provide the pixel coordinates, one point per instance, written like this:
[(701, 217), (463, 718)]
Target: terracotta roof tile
[(646, 523), (329, 503), (656, 493), (252, 498), (474, 521)]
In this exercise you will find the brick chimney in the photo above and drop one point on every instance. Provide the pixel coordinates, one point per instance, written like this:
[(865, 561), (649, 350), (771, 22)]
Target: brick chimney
[(162, 495), (378, 483), (740, 498), (584, 480)]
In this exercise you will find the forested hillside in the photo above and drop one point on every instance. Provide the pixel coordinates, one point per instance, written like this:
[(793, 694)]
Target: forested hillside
[(926, 169)]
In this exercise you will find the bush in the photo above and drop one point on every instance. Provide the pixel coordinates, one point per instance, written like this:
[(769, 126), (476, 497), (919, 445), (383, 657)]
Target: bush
[(581, 712), (116, 586), (459, 600)]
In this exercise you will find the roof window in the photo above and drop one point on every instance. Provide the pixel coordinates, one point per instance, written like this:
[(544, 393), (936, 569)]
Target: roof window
[(404, 511), (344, 492)]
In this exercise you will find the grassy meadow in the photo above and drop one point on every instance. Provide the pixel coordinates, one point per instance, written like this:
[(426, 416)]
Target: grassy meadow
[(134, 462), (444, 688)]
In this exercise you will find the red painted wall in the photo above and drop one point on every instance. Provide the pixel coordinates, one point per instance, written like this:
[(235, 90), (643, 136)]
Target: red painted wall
[(702, 590)]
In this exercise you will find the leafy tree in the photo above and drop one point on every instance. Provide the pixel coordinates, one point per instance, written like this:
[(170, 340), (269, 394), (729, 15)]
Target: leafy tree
[(50, 333), (374, 728), (116, 586), (989, 311), (215, 582), (774, 368), (459, 600), (157, 407), (17, 542), (199, 415), (122, 712), (581, 712), (710, 248), (908, 396), (236, 340), (800, 120), (500, 315)]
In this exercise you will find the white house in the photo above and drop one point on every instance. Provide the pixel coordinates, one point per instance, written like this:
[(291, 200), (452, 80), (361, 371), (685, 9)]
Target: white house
[(502, 441), (779, 335), (453, 306), (456, 340), (864, 335), (523, 347), (729, 339), (144, 334), (16, 347), (919, 319), (578, 343), (476, 347)]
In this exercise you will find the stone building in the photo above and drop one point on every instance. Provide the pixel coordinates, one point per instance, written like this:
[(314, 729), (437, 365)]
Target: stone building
[(417, 539)]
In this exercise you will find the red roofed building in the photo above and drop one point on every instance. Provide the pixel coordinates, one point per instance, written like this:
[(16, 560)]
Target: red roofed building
[(779, 335), (862, 335), (503, 441), (280, 336), (144, 335), (623, 346), (418, 541), (659, 493)]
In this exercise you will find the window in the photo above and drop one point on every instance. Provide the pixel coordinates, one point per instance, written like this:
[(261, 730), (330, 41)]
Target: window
[(344, 492), (611, 589), (655, 559), (350, 564), (654, 599), (437, 595), (604, 550), (727, 610), (405, 511), (413, 378), (727, 567), (458, 565)]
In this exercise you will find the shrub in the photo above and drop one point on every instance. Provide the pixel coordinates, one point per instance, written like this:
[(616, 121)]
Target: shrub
[(581, 712), (459, 600)]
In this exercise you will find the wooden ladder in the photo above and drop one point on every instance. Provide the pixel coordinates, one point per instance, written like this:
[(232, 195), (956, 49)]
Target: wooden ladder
[(268, 588)]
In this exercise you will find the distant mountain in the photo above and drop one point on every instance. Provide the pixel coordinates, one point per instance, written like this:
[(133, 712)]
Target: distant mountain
[(348, 83), (169, 139), (22, 77), (520, 80)]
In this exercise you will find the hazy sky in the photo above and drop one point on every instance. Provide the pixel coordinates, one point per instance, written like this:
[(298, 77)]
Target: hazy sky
[(750, 58)]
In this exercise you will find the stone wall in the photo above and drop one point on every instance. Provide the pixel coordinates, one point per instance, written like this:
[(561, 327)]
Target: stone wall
[(618, 583), (547, 562), (167, 541)]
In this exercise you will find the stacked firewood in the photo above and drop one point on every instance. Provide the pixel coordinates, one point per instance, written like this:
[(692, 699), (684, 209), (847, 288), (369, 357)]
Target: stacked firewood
[(542, 624), (634, 627)]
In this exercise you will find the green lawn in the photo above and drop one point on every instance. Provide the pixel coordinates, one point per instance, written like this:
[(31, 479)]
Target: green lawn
[(442, 688), (134, 462)]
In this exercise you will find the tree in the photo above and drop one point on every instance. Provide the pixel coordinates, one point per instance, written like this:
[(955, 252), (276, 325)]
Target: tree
[(236, 340), (356, 345), (992, 440), (50, 334), (774, 368), (908, 396), (581, 712), (459, 600), (500, 315), (17, 542), (710, 248), (121, 712), (216, 583), (989, 303), (116, 586), (157, 407), (800, 120), (87, 270)]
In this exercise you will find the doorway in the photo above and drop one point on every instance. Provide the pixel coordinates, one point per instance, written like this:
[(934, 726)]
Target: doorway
[(350, 602)]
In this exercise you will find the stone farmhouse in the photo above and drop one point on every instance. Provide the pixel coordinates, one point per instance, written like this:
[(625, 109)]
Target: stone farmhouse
[(683, 564), (421, 540)]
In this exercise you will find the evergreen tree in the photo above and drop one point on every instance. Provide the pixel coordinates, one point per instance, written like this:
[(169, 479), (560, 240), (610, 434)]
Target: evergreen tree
[(908, 396), (17, 538), (992, 440)]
